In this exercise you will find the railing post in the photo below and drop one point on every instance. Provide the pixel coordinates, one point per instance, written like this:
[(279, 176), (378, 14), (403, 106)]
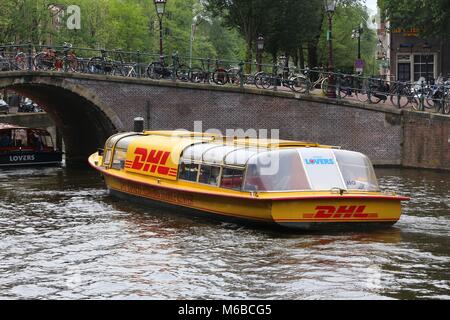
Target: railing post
[(421, 98), (274, 77), (66, 51), (138, 64), (208, 74), (174, 66), (338, 85), (241, 74), (30, 59)]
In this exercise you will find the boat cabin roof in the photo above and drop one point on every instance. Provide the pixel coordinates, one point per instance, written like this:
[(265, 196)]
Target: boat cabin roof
[(7, 126), (239, 163)]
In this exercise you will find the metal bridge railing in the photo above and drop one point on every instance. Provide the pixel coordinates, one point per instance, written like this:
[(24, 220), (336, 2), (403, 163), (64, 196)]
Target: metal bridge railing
[(421, 95)]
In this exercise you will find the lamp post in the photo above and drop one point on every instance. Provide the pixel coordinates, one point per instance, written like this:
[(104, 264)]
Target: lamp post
[(356, 34), (330, 7), (260, 48), (160, 6)]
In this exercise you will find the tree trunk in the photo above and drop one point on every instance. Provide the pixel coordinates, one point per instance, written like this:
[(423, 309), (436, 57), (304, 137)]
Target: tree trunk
[(313, 59), (301, 57), (248, 57)]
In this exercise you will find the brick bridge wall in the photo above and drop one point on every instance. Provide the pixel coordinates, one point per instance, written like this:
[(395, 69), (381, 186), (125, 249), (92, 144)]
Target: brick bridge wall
[(386, 135)]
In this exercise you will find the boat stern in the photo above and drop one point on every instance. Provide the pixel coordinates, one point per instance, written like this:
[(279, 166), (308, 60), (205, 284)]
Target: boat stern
[(337, 212)]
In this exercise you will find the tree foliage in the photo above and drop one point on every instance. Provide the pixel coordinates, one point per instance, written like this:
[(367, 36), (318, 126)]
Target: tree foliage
[(226, 29), (430, 17)]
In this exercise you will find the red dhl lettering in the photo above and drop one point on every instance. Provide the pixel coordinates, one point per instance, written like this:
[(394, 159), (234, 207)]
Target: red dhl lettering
[(153, 161), (340, 212)]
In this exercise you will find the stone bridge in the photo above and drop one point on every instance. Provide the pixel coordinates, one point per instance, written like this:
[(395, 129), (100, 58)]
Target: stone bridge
[(89, 108)]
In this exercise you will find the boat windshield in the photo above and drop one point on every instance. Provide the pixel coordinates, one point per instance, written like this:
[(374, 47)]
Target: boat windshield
[(315, 169), (357, 171)]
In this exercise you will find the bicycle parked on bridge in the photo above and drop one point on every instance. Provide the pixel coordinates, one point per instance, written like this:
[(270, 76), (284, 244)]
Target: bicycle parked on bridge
[(13, 61), (159, 70), (305, 82), (51, 60), (282, 76), (103, 65)]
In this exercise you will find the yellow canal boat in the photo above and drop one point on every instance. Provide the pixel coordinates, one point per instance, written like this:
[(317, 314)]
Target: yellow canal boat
[(289, 183)]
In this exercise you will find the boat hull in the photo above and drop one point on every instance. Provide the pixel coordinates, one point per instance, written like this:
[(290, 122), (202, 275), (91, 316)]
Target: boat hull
[(333, 212), (29, 158)]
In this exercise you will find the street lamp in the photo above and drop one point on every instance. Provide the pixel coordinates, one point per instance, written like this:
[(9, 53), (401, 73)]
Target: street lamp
[(195, 22), (260, 48), (330, 7), (160, 6), (356, 34)]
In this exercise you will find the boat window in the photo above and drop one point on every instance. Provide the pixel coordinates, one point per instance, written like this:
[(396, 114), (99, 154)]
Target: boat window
[(113, 139), (279, 170), (321, 168), (119, 158), (107, 157), (232, 178), (20, 138), (209, 175), (357, 170), (48, 141), (124, 142), (188, 171), (5, 139), (217, 155)]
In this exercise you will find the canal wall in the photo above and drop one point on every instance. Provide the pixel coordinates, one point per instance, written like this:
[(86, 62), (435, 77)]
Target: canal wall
[(426, 140)]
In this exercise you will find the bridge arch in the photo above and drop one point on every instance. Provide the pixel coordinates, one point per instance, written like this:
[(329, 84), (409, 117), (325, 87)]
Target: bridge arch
[(83, 119)]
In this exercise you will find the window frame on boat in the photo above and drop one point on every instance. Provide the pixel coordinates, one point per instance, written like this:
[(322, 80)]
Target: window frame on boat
[(214, 155), (110, 149)]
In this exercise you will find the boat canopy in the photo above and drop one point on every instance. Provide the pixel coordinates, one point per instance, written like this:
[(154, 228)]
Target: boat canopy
[(215, 153), (290, 169), (236, 166)]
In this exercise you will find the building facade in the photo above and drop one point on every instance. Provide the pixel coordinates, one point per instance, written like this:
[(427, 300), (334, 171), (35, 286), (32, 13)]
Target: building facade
[(405, 56)]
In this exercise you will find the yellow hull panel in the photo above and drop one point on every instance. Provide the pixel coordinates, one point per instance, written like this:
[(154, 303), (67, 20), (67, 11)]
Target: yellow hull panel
[(292, 209)]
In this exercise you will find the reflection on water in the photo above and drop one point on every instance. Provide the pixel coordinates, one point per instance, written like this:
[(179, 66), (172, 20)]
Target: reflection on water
[(62, 236)]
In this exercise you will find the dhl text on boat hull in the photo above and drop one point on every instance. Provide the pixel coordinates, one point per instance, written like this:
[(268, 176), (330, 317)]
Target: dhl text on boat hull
[(292, 184)]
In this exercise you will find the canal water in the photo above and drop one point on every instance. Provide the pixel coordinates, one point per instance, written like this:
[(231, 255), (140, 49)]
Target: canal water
[(63, 237)]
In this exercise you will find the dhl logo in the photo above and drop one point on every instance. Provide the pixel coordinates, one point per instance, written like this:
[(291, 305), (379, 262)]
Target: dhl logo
[(154, 161), (346, 212)]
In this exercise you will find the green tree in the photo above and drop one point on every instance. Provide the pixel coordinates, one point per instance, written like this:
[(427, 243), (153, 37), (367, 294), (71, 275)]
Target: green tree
[(430, 17), (349, 16), (247, 16)]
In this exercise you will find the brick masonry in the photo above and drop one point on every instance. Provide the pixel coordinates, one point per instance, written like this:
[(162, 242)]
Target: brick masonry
[(99, 105), (427, 140)]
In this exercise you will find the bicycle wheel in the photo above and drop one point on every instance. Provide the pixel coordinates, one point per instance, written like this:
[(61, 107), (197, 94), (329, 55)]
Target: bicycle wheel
[(324, 86), (233, 76), (155, 70), (183, 73), (263, 81), (298, 84), (220, 76), (414, 103), (71, 63), (345, 87), (43, 62), (362, 94), (95, 65), (118, 71), (446, 106), (4, 65), (21, 61), (197, 75)]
